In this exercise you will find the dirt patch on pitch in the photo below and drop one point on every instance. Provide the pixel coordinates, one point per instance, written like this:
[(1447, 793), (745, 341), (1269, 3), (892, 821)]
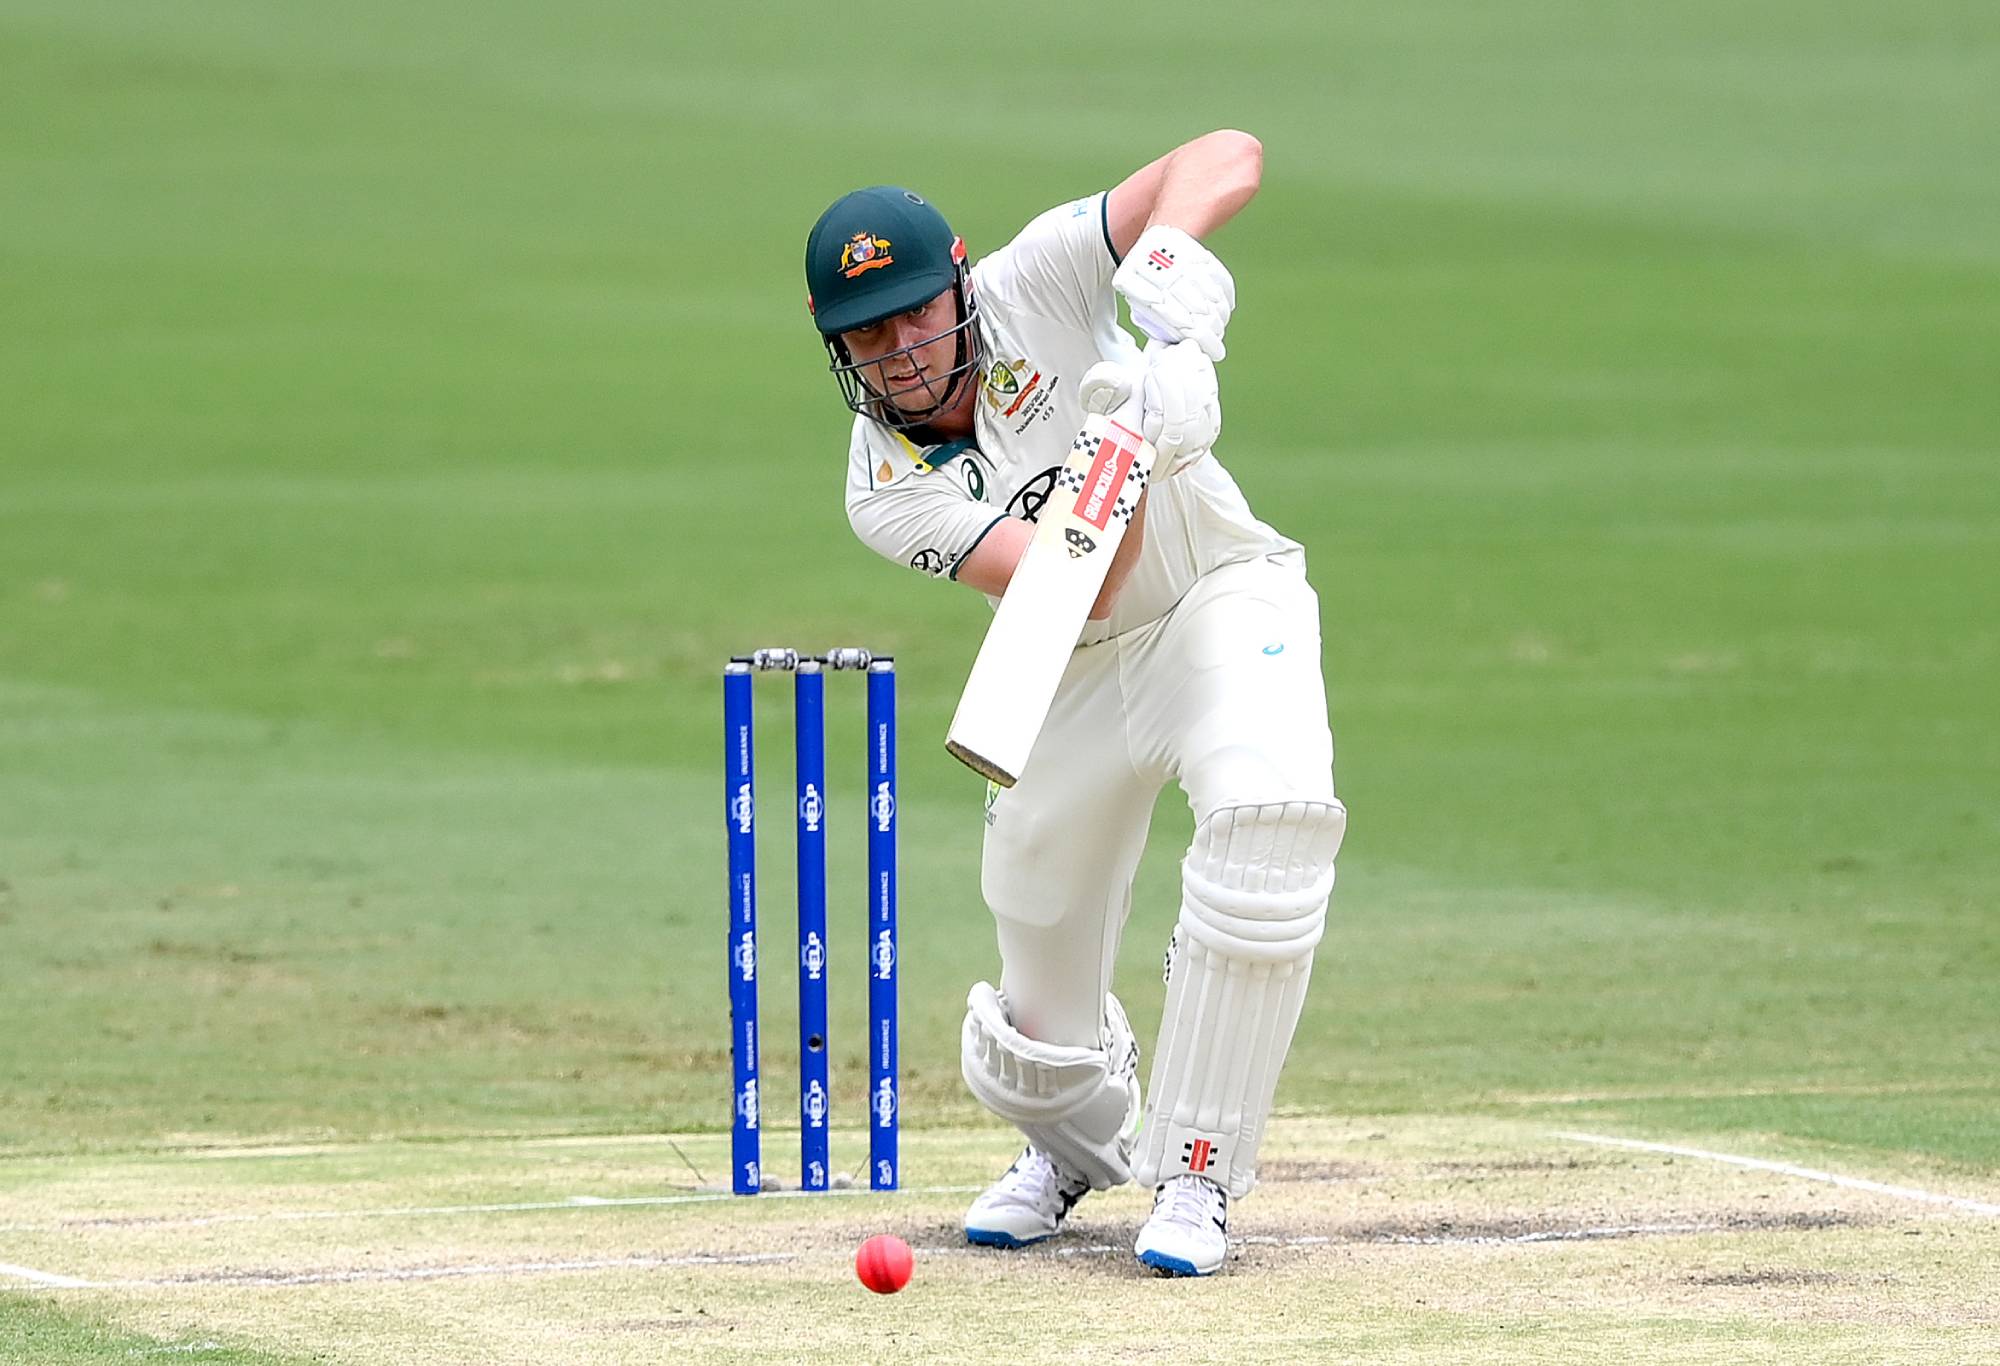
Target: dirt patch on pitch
[(699, 1319), (1284, 1171), (1539, 1229), (1774, 1276), (1525, 1166)]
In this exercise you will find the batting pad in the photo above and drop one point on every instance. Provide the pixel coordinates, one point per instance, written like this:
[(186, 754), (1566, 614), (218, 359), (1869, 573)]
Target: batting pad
[(1080, 1106), (1254, 888)]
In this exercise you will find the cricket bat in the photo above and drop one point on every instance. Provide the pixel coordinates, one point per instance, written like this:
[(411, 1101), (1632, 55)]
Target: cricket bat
[(1047, 602)]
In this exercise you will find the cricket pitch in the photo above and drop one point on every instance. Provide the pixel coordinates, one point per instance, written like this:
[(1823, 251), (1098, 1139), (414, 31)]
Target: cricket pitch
[(1395, 1240)]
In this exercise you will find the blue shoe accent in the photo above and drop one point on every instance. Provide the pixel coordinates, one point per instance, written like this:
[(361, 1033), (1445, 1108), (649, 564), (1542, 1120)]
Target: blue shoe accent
[(1169, 1266), (993, 1237)]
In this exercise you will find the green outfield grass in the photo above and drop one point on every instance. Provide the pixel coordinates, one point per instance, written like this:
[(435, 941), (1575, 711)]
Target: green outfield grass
[(401, 415)]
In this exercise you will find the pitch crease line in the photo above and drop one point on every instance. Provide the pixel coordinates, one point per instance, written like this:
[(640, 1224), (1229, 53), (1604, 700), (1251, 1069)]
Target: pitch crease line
[(358, 1275), (48, 1278), (433, 1273), (434, 1211), (1788, 1169), (351, 1276)]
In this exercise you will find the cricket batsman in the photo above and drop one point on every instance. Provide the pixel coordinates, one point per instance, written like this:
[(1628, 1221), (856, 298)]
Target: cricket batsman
[(1200, 664)]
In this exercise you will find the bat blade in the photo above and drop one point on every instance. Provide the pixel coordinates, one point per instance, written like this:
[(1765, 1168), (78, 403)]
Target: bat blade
[(1048, 600)]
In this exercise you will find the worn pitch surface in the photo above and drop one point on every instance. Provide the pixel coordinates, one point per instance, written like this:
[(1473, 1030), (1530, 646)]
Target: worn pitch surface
[(1398, 1238)]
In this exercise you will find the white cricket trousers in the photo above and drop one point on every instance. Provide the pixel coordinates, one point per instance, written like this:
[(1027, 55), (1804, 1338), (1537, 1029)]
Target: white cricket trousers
[(1222, 694)]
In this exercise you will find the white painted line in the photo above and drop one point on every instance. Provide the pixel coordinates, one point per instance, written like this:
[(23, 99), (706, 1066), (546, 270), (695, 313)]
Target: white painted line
[(210, 1152), (1911, 1088), (175, 1349), (1550, 1235), (272, 1151), (28, 1273), (1788, 1169), (359, 1275), (631, 1140), (433, 1273), (256, 1151), (436, 1211)]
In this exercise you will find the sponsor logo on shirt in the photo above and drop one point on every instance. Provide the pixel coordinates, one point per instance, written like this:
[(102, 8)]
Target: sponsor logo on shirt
[(1029, 499)]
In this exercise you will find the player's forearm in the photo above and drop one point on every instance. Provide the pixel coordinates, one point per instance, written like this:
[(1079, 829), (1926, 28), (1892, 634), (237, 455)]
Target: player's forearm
[(1207, 182), (1197, 188), (1121, 563), (990, 566)]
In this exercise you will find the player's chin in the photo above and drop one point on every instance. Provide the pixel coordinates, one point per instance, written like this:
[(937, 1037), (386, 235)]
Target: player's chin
[(929, 402)]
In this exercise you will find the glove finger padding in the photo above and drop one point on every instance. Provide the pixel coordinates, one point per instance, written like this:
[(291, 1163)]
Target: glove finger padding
[(1183, 405), (1166, 406), (1105, 387)]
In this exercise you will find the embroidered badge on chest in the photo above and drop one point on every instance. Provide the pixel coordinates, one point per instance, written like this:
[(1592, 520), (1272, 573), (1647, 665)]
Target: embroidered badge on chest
[(1018, 393)]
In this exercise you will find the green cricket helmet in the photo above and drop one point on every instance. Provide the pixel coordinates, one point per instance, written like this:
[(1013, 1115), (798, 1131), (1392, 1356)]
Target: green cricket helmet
[(876, 253)]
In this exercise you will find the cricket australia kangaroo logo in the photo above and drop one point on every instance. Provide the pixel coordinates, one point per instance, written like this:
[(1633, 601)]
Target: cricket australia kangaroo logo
[(864, 252)]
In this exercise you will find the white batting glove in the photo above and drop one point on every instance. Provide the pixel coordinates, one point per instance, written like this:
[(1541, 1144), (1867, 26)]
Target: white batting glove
[(1107, 386), (1177, 290), (1178, 408), (1183, 405)]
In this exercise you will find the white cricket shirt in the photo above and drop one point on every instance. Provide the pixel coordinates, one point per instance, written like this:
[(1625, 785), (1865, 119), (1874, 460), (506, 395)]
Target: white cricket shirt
[(1047, 313)]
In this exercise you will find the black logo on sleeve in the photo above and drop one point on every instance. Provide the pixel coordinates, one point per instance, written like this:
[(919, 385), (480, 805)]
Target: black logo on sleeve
[(1028, 502)]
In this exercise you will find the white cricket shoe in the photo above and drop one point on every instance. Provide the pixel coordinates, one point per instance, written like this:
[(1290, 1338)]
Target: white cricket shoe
[(1188, 1233), (1025, 1205)]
